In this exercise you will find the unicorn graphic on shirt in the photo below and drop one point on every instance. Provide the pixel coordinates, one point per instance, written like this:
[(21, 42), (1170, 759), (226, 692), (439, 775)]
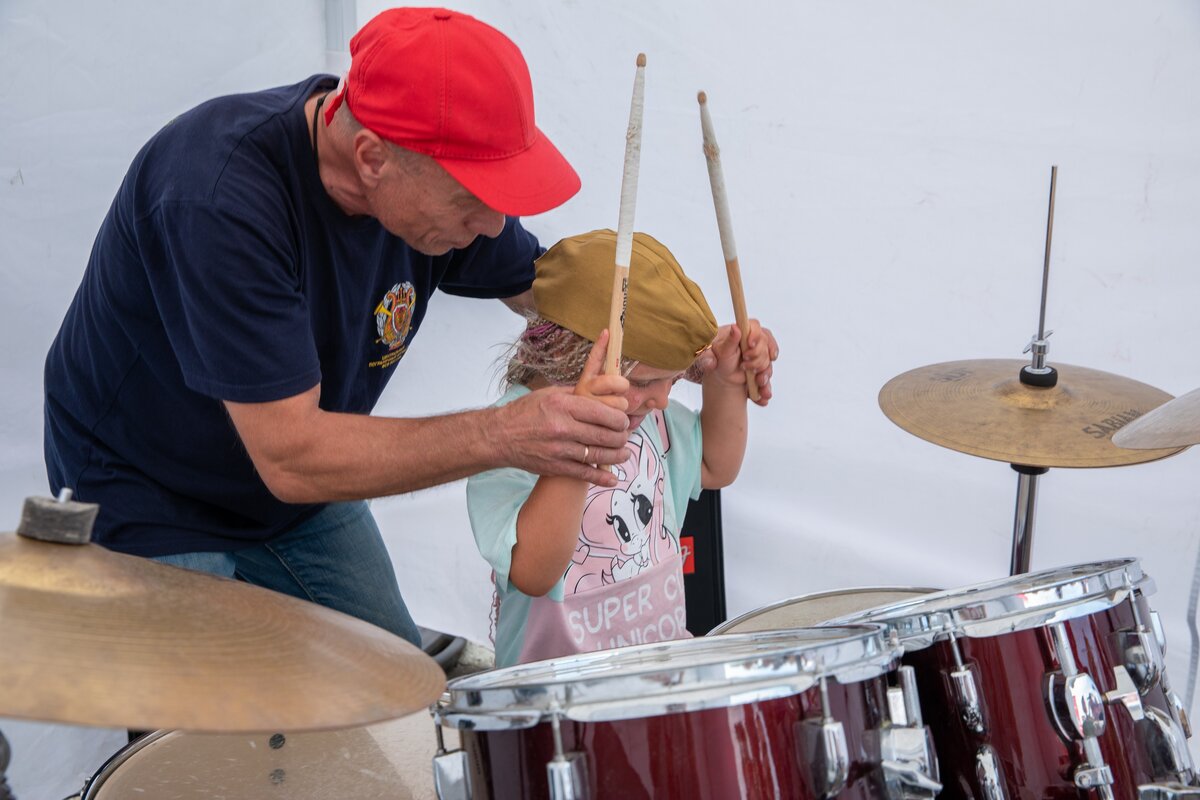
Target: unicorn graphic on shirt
[(623, 530)]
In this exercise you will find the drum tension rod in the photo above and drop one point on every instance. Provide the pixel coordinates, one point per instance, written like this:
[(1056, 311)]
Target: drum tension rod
[(566, 772)]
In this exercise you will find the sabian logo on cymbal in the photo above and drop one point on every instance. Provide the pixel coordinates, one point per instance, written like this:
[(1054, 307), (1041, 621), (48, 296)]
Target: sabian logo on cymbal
[(1110, 425), (951, 375)]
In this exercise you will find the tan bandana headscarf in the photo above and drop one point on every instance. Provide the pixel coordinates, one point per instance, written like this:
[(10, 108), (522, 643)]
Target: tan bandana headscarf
[(667, 321)]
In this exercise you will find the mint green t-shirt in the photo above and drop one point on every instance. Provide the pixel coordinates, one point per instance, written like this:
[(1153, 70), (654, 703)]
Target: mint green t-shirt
[(624, 584)]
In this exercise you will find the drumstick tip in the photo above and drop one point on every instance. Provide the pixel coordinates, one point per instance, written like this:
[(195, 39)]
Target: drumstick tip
[(641, 59), (702, 97)]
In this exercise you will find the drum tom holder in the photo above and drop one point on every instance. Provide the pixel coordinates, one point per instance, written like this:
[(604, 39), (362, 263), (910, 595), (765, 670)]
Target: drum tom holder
[(1077, 709), (907, 757)]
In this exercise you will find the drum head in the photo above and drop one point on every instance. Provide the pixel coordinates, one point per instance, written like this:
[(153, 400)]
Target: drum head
[(1020, 602), (387, 761), (672, 677), (813, 609)]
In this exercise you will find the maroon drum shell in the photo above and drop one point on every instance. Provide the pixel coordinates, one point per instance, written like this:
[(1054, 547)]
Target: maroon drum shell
[(753, 751), (1011, 669)]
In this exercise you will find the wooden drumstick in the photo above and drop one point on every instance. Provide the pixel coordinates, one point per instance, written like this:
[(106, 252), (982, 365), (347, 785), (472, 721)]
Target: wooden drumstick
[(629, 179), (716, 177)]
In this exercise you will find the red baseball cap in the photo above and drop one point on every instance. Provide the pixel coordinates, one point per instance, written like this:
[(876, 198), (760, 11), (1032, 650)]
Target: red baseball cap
[(445, 84)]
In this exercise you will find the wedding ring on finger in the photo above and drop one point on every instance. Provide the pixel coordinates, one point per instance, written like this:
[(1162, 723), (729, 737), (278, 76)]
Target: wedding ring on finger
[(586, 450)]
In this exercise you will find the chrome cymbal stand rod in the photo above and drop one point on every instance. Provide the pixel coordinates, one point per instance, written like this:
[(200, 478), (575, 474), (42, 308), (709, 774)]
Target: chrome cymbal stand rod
[(1027, 482), (1037, 373), (1046, 262), (1039, 376)]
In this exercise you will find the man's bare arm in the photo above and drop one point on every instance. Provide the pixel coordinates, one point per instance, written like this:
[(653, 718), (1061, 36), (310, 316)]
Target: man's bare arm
[(307, 455)]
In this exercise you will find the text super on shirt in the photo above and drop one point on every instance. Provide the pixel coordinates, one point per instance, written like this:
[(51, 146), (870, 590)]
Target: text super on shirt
[(224, 271)]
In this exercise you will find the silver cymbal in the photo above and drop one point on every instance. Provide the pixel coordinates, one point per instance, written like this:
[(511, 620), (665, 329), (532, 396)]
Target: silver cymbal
[(980, 407), (93, 637)]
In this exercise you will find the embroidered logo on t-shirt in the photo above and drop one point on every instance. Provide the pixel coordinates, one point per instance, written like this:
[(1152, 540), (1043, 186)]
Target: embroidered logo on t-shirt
[(393, 321)]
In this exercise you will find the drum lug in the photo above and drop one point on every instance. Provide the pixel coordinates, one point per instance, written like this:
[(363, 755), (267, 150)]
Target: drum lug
[(567, 774), (966, 692), (1168, 791), (451, 778), (827, 752), (825, 746), (987, 770), (1167, 746)]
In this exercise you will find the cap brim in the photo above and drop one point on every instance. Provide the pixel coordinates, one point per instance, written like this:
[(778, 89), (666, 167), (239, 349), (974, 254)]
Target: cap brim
[(532, 182)]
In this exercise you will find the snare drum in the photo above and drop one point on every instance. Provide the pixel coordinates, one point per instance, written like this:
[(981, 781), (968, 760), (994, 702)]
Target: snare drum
[(797, 714), (813, 609), (1046, 685), (387, 761)]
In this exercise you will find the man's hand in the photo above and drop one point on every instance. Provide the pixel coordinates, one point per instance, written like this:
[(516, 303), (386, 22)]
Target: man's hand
[(571, 432)]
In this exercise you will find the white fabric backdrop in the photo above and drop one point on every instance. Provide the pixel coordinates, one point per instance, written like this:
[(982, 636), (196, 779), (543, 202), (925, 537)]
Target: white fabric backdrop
[(888, 166)]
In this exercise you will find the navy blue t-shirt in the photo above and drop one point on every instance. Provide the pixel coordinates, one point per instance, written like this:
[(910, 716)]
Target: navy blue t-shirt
[(224, 271)]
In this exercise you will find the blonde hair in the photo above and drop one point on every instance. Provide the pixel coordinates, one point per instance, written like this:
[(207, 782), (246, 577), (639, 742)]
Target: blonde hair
[(548, 350)]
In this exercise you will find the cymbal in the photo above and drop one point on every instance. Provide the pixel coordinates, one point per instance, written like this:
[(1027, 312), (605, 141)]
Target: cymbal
[(93, 637), (1175, 423), (981, 408)]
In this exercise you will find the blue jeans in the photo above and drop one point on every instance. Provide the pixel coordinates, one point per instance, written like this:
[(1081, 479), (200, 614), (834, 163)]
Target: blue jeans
[(337, 559)]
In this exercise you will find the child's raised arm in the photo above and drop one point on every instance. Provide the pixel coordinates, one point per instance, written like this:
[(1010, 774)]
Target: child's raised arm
[(723, 417), (548, 523)]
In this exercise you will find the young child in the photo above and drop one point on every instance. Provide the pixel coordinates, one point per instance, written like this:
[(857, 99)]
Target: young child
[(580, 567)]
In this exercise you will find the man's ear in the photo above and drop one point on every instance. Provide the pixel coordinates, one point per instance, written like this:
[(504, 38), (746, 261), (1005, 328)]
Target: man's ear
[(370, 156)]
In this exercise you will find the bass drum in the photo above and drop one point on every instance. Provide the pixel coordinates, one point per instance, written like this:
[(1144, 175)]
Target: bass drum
[(388, 761), (808, 610)]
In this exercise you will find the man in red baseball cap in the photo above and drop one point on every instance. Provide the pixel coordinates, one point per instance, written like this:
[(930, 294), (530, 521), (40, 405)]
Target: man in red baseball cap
[(262, 272), (445, 85)]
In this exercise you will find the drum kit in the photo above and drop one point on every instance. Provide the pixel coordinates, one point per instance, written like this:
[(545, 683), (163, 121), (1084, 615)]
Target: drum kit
[(1044, 684)]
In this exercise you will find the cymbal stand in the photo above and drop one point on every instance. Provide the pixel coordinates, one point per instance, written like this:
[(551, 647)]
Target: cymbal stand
[(1036, 374)]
